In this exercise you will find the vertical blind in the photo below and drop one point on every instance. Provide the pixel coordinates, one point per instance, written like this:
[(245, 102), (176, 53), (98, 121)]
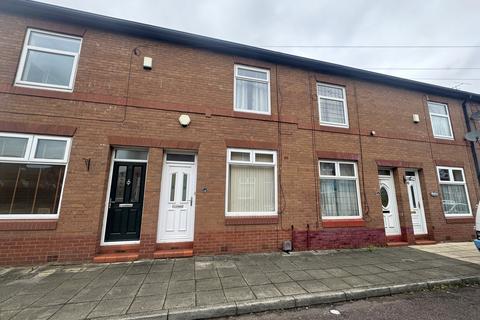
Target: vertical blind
[(251, 189)]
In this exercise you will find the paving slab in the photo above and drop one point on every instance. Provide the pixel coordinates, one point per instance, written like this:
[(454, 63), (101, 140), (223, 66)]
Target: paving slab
[(289, 288), (152, 289), (111, 307), (278, 277), (239, 294), (180, 300), (74, 311), (208, 284), (266, 291), (212, 297), (39, 313), (181, 286), (147, 304), (233, 282), (192, 287)]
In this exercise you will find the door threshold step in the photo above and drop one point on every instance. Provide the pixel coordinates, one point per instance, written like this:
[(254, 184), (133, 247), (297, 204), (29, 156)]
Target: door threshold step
[(116, 257), (173, 253), (397, 244), (425, 242)]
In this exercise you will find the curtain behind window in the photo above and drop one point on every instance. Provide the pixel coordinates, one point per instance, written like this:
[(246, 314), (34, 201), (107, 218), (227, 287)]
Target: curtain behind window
[(441, 126), (251, 95), (454, 199), (339, 197)]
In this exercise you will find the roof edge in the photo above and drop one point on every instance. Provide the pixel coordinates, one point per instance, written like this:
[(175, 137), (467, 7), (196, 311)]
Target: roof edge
[(68, 15)]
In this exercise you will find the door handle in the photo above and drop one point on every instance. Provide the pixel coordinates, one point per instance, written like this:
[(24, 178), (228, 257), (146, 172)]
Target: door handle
[(110, 203), (125, 205), (191, 200)]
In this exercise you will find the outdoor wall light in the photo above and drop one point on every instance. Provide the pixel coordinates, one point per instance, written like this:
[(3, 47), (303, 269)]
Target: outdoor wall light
[(184, 120)]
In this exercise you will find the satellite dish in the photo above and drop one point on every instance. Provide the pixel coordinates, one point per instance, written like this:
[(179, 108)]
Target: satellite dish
[(473, 136), (475, 115)]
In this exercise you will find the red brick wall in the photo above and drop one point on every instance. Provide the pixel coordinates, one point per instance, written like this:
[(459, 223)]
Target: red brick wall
[(200, 83)]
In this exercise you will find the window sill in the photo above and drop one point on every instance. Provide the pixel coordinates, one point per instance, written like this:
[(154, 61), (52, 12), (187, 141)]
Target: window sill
[(43, 87), (27, 225), (460, 220), (342, 223), (250, 220)]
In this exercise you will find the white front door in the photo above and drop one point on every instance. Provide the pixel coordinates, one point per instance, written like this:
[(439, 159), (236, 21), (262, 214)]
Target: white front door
[(389, 203), (416, 202), (177, 200)]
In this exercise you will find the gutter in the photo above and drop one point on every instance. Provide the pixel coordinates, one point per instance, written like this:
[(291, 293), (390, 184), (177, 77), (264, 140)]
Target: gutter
[(472, 144)]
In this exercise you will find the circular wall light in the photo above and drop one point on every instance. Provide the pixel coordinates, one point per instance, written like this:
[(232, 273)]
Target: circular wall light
[(184, 120)]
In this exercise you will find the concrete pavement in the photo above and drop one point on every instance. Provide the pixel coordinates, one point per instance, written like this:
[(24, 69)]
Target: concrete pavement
[(202, 287)]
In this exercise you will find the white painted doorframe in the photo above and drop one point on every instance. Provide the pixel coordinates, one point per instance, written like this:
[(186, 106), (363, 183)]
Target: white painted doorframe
[(391, 218), (176, 220), (415, 200)]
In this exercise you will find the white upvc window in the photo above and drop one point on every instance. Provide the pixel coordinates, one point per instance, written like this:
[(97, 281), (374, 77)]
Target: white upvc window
[(32, 174), (49, 60), (332, 105), (252, 90), (251, 183), (454, 192), (339, 190), (440, 119)]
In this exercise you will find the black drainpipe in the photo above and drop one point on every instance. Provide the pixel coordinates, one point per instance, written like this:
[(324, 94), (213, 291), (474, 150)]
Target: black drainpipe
[(472, 144)]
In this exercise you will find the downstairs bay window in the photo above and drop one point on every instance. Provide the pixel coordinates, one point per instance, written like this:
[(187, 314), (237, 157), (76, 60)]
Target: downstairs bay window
[(32, 172), (454, 192), (251, 183), (339, 190)]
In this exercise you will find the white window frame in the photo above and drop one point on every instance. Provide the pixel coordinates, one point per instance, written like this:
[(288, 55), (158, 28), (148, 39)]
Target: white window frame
[(345, 107), (235, 76), (453, 182), (23, 58), (29, 157), (447, 116), (251, 162), (338, 177)]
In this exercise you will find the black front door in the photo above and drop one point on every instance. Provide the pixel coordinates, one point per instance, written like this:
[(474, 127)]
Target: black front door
[(126, 202)]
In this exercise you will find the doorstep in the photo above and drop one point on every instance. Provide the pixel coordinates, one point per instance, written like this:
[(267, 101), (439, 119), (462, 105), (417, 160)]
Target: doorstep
[(115, 257), (117, 253), (425, 242), (397, 244), (174, 250)]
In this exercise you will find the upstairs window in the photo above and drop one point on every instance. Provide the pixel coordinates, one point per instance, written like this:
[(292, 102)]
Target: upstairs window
[(251, 182), (441, 126), (32, 172), (49, 60), (454, 192), (252, 90), (339, 192), (332, 105)]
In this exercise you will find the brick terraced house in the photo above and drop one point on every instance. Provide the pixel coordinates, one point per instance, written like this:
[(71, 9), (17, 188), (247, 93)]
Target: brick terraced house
[(122, 141)]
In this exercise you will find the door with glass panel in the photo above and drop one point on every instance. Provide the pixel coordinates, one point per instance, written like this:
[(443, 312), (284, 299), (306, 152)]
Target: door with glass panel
[(126, 202), (417, 212), (389, 202), (177, 199)]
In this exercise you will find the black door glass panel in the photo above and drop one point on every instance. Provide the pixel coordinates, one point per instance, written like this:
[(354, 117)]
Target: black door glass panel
[(136, 184), (121, 179)]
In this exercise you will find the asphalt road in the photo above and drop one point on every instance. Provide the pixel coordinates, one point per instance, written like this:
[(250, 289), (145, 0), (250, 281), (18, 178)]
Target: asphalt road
[(448, 304)]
